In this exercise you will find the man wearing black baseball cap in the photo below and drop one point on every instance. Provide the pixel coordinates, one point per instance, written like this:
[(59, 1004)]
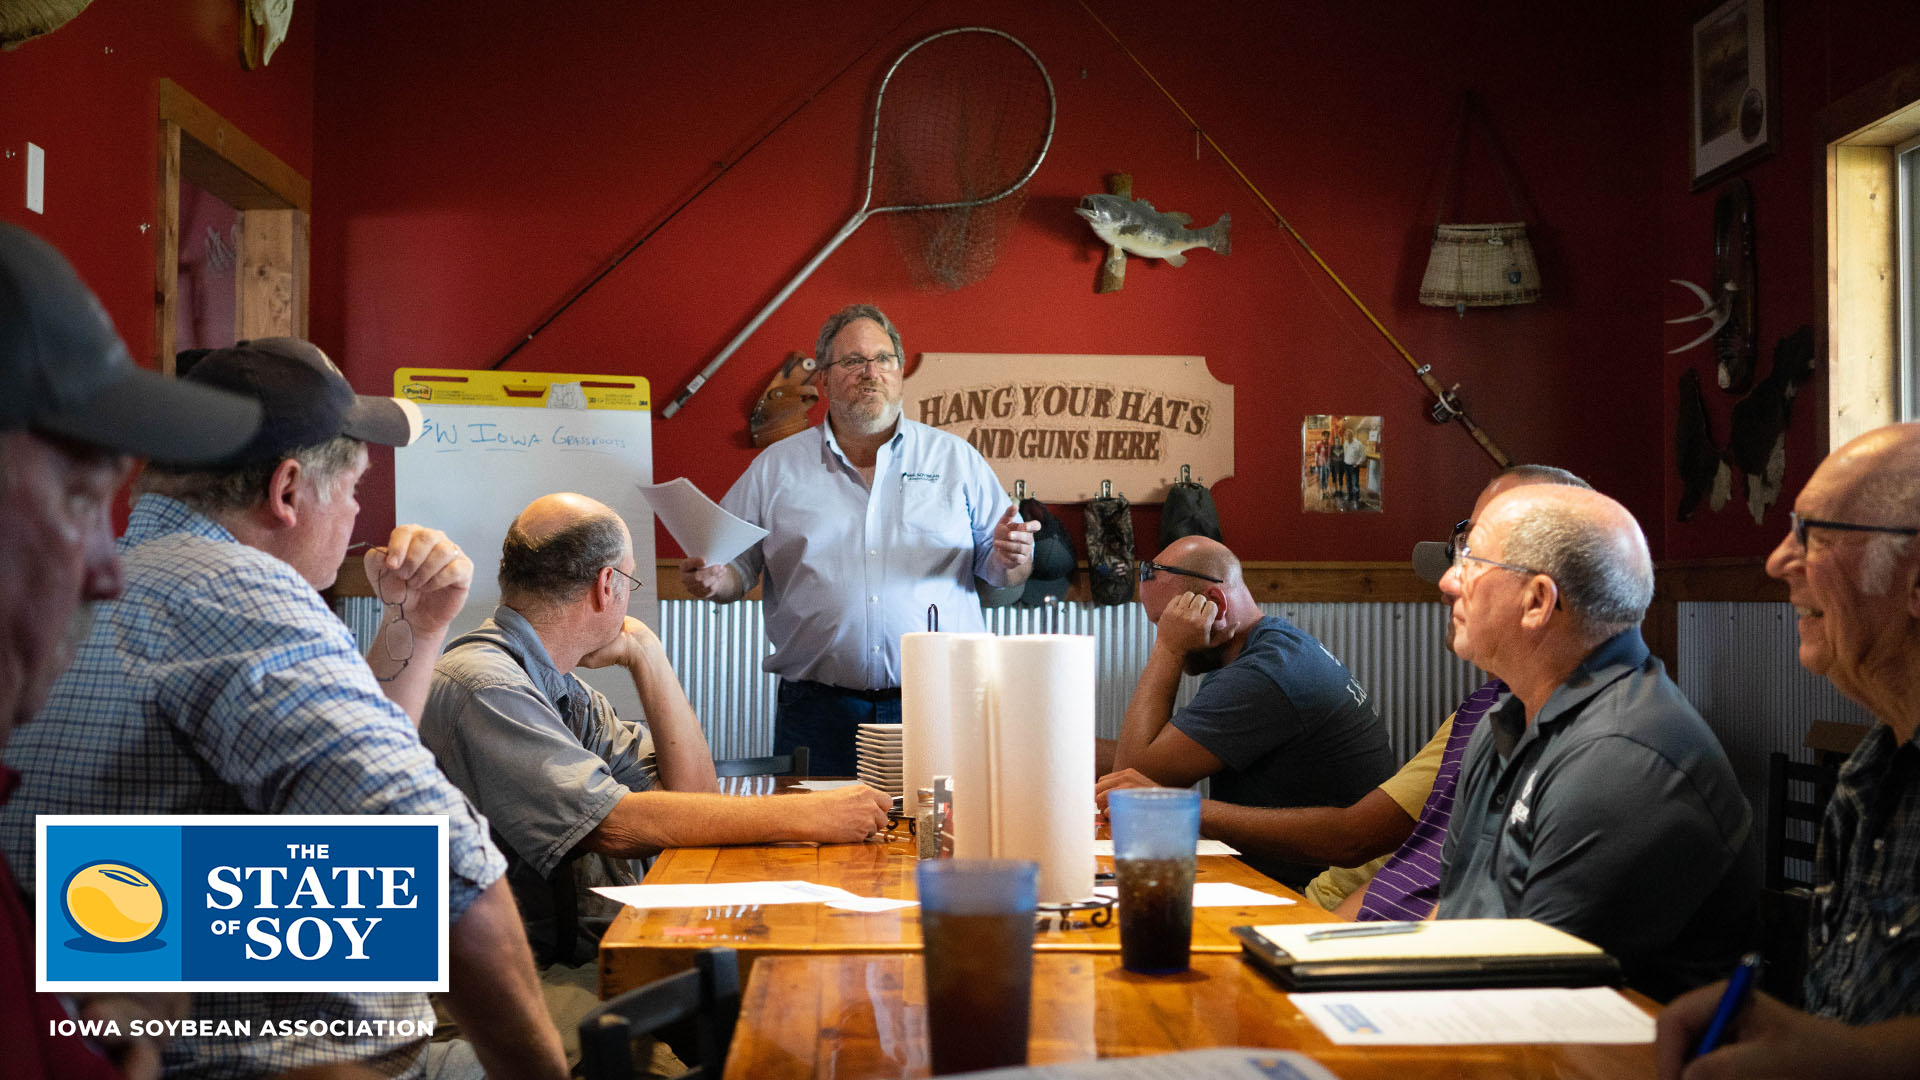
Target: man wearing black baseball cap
[(75, 409), (222, 683)]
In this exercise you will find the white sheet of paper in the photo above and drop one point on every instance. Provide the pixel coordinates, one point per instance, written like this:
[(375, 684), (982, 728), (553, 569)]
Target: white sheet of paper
[(1595, 1014), (729, 895), (703, 530), (822, 785), (872, 903), (1202, 847), (1218, 894)]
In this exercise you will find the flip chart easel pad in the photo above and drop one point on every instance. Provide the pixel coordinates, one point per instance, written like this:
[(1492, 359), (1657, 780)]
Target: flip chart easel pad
[(476, 466)]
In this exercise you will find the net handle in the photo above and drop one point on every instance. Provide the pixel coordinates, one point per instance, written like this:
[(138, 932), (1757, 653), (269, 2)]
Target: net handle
[(867, 209)]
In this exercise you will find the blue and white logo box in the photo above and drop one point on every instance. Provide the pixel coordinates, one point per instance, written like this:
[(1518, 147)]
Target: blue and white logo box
[(333, 903)]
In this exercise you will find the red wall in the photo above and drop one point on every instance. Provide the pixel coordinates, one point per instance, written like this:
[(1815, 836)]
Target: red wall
[(1826, 51), (473, 171), (89, 94), (474, 163)]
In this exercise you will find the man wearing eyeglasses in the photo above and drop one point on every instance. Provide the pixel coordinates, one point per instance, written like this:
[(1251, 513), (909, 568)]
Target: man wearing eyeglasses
[(1278, 720), (1852, 570), (222, 683), (1595, 798), (873, 521)]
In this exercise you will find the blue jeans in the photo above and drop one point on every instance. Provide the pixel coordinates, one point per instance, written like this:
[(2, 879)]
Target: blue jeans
[(824, 718)]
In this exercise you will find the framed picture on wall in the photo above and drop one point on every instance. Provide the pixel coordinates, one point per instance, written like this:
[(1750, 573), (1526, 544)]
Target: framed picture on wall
[(1735, 119)]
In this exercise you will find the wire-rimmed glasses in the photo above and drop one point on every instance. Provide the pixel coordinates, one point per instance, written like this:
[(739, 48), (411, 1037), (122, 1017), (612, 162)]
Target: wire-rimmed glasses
[(1148, 567), (398, 634), (885, 361)]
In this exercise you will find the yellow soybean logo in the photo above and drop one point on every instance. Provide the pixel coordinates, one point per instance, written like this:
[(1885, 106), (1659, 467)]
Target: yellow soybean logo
[(114, 903)]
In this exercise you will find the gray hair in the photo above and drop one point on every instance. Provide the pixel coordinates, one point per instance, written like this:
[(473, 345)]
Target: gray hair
[(1598, 581), (838, 321), (558, 568), (1543, 474), (218, 491)]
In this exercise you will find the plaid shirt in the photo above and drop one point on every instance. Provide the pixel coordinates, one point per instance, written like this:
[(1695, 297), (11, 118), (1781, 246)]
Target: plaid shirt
[(1866, 910), (220, 683)]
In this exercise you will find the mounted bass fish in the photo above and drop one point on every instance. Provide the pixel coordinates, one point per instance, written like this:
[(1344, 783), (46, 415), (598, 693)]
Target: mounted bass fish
[(1134, 226)]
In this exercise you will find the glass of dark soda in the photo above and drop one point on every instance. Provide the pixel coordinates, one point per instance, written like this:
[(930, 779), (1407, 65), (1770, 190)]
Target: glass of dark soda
[(976, 918), (1155, 831)]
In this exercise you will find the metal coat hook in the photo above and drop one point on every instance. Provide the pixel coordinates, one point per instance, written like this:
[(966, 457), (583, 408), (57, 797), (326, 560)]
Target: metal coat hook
[(933, 618), (1019, 491), (1186, 474), (1106, 489)]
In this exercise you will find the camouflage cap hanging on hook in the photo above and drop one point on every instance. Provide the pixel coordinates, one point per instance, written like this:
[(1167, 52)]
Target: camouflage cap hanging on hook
[(1110, 561)]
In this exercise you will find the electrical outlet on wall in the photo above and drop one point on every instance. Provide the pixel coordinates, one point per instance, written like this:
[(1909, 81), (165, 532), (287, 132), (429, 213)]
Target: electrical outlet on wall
[(36, 179)]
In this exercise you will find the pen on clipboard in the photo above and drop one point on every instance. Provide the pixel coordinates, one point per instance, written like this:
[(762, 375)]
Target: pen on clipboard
[(1379, 929), (1739, 988)]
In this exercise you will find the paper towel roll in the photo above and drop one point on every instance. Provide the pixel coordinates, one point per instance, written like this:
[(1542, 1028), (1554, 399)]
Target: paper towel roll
[(926, 737), (1041, 740), (971, 666)]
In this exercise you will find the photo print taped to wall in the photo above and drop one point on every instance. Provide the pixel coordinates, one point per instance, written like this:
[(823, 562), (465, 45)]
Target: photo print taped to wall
[(1340, 460)]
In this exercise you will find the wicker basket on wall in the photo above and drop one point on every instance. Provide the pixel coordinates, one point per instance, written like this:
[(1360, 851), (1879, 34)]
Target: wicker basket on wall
[(23, 19)]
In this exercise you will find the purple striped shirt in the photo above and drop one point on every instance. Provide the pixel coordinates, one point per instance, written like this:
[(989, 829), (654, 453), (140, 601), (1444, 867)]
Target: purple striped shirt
[(1408, 883)]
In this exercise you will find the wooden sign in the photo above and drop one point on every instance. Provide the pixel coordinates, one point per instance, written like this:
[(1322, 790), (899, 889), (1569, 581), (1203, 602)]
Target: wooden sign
[(1065, 422)]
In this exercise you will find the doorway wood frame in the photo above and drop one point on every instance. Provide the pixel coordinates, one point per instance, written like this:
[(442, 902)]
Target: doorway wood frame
[(274, 200)]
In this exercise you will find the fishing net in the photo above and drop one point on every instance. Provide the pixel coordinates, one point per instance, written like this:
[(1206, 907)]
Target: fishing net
[(963, 120)]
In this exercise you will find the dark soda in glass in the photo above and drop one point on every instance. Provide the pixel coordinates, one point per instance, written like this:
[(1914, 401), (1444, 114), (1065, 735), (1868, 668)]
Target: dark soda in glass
[(1156, 913), (979, 989)]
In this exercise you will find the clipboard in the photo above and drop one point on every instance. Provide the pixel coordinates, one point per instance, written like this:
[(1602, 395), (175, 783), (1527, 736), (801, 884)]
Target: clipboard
[(1442, 954)]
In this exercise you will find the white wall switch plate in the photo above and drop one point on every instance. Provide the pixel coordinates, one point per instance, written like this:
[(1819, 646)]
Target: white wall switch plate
[(36, 179)]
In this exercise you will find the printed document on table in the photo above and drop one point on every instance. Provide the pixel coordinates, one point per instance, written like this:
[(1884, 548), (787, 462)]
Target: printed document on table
[(728, 895), (1216, 894), (703, 529), (1200, 847), (1593, 1014)]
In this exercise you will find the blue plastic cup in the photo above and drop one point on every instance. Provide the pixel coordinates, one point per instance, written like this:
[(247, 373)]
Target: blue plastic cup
[(1155, 831), (976, 917)]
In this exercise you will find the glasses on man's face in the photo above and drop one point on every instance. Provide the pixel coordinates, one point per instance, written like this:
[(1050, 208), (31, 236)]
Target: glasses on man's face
[(853, 362), (1148, 568), (1458, 540), (624, 574), (1800, 526), (1462, 553)]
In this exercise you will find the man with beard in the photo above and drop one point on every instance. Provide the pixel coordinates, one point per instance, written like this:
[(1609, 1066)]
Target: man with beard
[(872, 519), (1278, 722)]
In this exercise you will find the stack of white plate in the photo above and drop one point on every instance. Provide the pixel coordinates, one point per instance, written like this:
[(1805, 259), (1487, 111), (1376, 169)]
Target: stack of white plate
[(877, 747)]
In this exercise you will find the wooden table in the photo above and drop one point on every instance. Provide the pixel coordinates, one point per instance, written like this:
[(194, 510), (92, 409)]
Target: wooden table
[(642, 946), (852, 1017)]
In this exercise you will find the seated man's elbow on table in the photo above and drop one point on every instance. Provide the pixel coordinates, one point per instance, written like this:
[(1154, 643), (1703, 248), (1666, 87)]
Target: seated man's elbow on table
[(644, 822)]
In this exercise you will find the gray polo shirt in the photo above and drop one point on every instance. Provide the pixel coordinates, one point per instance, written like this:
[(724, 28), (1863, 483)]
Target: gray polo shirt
[(1614, 816), (544, 757)]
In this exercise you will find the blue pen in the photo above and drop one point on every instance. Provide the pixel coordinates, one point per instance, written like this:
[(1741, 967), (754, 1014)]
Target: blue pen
[(1739, 988)]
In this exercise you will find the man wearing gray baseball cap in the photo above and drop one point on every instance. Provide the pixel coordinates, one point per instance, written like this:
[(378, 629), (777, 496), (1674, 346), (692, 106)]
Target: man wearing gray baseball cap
[(74, 410), (221, 683)]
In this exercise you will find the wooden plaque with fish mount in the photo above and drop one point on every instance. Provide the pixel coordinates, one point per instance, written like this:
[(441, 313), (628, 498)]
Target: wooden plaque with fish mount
[(1065, 422)]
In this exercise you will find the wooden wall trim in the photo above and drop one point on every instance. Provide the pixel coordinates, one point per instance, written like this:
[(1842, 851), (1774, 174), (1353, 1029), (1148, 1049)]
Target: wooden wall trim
[(241, 172)]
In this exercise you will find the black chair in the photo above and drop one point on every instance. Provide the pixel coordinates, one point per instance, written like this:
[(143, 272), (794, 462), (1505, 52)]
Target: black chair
[(794, 764), (709, 996), (1793, 823), (1797, 797)]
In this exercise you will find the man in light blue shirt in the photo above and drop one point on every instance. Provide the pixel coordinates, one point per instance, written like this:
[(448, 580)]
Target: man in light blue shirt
[(873, 519)]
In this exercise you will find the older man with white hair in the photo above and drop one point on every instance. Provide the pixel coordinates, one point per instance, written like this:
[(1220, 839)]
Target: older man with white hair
[(1852, 570), (1594, 799)]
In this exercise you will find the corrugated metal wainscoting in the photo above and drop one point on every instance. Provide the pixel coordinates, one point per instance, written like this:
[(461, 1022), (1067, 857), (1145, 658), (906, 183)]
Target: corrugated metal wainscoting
[(1396, 650), (1739, 666)]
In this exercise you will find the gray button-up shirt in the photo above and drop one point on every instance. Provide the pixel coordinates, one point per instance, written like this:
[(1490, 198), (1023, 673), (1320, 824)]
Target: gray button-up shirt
[(1614, 816), (545, 758)]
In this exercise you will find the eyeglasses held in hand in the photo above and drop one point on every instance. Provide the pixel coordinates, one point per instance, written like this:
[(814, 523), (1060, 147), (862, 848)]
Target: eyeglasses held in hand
[(1148, 567), (885, 361), (398, 634)]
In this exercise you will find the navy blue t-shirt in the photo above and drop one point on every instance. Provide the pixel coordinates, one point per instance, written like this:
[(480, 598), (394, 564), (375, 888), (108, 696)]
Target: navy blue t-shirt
[(1294, 728)]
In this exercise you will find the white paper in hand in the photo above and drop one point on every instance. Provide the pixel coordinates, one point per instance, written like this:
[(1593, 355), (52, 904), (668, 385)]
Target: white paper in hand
[(702, 528)]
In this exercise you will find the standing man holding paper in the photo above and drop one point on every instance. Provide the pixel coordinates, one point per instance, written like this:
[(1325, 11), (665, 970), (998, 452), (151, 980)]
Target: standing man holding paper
[(872, 519)]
